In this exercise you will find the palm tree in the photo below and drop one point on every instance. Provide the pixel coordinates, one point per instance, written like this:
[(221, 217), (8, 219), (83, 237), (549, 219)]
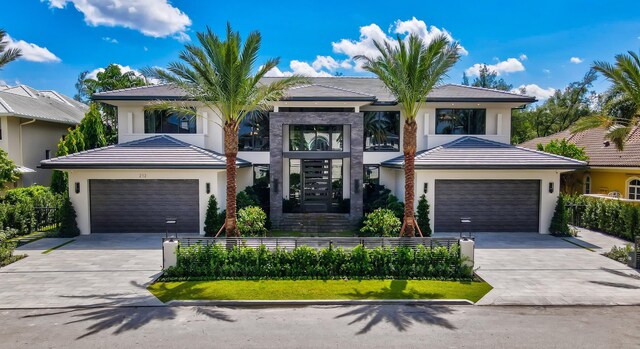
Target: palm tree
[(625, 76), (219, 74), (410, 69), (10, 55)]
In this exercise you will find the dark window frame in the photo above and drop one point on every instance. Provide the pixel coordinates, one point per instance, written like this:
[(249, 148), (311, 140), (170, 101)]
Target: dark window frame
[(469, 128), (255, 178), (161, 122), (331, 130), (258, 137), (367, 179), (383, 145)]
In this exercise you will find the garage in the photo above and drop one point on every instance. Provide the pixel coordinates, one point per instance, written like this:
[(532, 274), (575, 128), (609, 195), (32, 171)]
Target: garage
[(142, 206), (492, 205)]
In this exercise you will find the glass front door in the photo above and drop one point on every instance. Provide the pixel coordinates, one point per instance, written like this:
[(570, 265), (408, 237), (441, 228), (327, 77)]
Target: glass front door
[(316, 191)]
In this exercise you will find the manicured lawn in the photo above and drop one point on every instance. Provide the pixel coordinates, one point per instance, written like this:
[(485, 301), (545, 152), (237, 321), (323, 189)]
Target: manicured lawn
[(318, 289)]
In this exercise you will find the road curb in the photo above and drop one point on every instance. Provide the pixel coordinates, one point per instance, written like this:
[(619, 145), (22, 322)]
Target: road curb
[(293, 303)]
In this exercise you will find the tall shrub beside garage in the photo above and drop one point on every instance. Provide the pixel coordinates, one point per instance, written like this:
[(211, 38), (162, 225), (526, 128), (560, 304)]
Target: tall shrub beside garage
[(422, 216), (560, 220), (213, 219), (68, 223)]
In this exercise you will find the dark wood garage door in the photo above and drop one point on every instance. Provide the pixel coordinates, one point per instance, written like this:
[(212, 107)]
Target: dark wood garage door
[(142, 206), (492, 205)]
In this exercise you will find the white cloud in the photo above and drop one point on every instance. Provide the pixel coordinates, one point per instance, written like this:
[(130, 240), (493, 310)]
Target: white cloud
[(330, 64), (372, 32), (110, 40), (31, 52), (145, 48), (576, 60), (546, 71), (523, 57), (298, 67), (511, 65), (535, 91), (156, 18), (124, 69)]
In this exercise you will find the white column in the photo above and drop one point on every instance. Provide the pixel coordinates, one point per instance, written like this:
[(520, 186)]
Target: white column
[(205, 123), (129, 122), (499, 124), (426, 124)]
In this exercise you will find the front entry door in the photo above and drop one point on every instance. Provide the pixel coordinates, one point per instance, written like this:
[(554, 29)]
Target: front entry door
[(316, 191)]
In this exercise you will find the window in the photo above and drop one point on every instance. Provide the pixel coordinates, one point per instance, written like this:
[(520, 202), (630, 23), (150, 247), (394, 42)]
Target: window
[(261, 175), (587, 184), (165, 121), (634, 189), (461, 121), (371, 174), (253, 133), (47, 154), (382, 131), (314, 109), (315, 138)]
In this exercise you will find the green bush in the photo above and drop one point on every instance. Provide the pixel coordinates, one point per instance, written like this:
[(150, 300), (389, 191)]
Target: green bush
[(612, 217), (68, 224), (216, 262), (422, 216), (620, 254), (252, 221), (381, 222), (560, 221), (18, 207), (245, 199), (377, 196), (213, 219)]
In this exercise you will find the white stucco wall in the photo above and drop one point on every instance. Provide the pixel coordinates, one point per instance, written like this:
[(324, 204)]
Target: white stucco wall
[(547, 200), (81, 200)]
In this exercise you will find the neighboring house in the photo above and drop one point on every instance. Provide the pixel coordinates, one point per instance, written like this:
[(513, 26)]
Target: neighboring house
[(316, 150), (611, 173), (31, 124)]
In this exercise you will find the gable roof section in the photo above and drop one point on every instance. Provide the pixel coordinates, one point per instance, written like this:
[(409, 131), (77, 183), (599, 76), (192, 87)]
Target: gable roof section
[(477, 153), (23, 101), (593, 142), (338, 88), (156, 152)]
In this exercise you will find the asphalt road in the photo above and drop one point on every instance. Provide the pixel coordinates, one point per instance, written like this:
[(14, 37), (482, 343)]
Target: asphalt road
[(323, 327)]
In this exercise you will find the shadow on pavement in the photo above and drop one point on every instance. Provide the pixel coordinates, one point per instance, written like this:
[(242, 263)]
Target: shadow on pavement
[(401, 317), (396, 290), (633, 274)]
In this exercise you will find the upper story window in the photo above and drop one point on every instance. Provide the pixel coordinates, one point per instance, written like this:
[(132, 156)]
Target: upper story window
[(315, 109), (634, 189), (382, 131), (587, 184), (315, 137), (253, 133), (166, 121), (461, 121), (372, 174)]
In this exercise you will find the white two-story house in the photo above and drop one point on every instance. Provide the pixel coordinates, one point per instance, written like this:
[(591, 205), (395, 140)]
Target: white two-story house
[(315, 153)]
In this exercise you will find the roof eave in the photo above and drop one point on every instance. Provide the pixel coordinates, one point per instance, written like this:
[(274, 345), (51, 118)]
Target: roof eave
[(136, 166), (488, 167), (481, 100), (139, 98), (329, 99)]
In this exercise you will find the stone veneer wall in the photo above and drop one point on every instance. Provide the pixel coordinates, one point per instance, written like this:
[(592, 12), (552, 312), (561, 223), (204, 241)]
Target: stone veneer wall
[(276, 138)]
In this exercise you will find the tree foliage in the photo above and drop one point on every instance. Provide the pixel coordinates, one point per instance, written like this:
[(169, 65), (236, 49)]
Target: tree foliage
[(422, 216), (487, 78), (111, 78), (8, 171), (92, 129), (560, 220), (213, 220), (564, 148), (557, 113), (7, 55)]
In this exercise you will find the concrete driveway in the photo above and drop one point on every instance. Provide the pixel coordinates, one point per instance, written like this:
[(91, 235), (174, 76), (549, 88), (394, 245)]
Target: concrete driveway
[(99, 269), (534, 269)]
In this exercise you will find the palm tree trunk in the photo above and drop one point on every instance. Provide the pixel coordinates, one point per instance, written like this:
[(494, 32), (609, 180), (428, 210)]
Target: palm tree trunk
[(409, 148), (231, 152)]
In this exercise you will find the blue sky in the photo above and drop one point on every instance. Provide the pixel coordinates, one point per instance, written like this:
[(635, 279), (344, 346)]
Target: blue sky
[(528, 43)]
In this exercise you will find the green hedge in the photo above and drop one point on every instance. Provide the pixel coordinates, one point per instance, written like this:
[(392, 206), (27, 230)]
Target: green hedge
[(215, 262), (17, 208), (612, 217)]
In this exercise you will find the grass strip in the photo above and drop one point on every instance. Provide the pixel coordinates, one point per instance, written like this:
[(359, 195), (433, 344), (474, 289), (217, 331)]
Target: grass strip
[(57, 247), (318, 289)]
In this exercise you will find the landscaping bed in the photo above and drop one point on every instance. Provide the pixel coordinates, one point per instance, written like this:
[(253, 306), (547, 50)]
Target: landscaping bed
[(319, 290)]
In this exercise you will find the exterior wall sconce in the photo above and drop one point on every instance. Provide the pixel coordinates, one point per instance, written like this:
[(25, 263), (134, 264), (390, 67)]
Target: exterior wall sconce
[(275, 185), (551, 185), (77, 187), (208, 186), (426, 187), (357, 184)]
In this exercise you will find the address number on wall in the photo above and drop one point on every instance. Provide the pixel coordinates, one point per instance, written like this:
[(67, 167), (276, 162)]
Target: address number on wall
[(142, 175)]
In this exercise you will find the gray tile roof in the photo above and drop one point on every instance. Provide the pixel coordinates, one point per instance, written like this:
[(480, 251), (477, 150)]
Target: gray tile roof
[(46, 105), (593, 142), (337, 88), (158, 152), (476, 153)]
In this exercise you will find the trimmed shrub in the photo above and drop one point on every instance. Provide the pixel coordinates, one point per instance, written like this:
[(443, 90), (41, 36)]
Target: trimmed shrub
[(252, 221), (215, 262), (244, 199), (68, 224), (608, 216), (377, 196), (560, 221), (18, 207), (381, 222), (213, 219), (422, 216)]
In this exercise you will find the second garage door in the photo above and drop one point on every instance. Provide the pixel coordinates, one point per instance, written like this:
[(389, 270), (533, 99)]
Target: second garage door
[(142, 206), (492, 205)]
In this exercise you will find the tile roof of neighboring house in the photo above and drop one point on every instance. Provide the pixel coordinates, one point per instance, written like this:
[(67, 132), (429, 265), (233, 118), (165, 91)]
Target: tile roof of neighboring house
[(593, 142), (336, 88), (47, 105), (477, 153), (159, 152)]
